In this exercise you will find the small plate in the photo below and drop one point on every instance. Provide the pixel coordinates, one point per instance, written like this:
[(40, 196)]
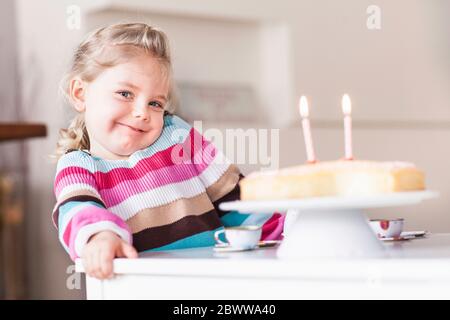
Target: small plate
[(228, 248), (261, 244), (407, 235)]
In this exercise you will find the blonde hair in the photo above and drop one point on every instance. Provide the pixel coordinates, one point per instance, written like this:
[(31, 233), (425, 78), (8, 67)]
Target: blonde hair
[(104, 48)]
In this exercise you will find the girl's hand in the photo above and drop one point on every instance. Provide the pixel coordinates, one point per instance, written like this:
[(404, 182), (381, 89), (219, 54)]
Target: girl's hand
[(99, 252)]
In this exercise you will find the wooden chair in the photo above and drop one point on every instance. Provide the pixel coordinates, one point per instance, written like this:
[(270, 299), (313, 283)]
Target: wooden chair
[(12, 229)]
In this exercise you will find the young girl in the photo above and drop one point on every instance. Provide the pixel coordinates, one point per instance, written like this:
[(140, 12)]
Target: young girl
[(132, 177)]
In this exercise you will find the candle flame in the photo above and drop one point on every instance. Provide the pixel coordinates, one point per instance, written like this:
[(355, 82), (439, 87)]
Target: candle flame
[(303, 107), (346, 105)]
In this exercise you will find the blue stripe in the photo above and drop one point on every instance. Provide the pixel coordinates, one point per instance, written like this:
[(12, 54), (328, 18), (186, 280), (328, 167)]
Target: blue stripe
[(234, 218), (65, 208), (203, 239), (257, 219)]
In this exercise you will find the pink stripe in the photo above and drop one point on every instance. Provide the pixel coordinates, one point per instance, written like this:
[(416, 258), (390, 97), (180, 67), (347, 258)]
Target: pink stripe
[(162, 159), (76, 174), (83, 176), (126, 188), (86, 216), (79, 170), (273, 228), (153, 180), (194, 149), (122, 187)]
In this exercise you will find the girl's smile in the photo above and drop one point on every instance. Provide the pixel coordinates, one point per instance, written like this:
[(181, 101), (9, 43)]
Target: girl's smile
[(133, 128)]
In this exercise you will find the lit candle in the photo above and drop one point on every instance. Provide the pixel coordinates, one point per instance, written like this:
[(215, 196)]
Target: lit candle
[(304, 113), (347, 110)]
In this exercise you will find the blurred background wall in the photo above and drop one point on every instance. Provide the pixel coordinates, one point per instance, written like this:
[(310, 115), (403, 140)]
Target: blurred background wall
[(265, 53)]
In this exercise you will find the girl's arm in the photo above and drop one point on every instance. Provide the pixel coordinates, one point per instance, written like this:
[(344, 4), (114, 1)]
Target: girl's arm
[(77, 221), (80, 211)]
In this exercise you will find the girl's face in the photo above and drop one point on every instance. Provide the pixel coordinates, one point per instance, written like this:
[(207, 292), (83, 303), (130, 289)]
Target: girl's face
[(124, 107)]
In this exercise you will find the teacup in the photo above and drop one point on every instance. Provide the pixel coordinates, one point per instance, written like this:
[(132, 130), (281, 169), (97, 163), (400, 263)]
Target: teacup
[(243, 237), (387, 228)]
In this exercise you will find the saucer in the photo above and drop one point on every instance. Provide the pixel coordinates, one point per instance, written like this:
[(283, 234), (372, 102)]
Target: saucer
[(407, 235), (260, 245), (228, 248)]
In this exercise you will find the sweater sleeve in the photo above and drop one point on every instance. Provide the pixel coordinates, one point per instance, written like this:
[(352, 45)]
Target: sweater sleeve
[(79, 211), (221, 180)]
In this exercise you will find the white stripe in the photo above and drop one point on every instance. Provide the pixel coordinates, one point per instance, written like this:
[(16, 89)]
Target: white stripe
[(168, 193), (215, 170), (164, 194), (158, 197), (89, 230)]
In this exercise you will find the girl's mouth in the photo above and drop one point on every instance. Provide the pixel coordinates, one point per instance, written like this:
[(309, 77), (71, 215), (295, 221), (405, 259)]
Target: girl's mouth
[(130, 127)]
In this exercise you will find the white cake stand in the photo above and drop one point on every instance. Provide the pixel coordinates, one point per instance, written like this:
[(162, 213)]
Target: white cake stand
[(329, 226)]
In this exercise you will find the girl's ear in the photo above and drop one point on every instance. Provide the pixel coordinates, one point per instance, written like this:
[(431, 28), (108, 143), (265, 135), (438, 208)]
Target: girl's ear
[(77, 93)]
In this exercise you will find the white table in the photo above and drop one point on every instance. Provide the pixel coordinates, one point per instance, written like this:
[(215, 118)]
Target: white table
[(414, 269)]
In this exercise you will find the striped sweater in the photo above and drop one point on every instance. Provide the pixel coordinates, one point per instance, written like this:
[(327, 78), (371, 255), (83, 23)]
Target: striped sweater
[(163, 197)]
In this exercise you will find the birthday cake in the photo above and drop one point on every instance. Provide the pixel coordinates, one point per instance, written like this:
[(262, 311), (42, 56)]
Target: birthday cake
[(332, 178)]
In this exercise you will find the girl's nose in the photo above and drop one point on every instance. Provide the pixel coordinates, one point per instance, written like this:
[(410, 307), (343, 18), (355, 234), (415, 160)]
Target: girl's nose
[(141, 112)]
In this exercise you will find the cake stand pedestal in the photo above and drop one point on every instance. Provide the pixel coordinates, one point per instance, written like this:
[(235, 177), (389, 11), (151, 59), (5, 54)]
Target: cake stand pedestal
[(329, 227), (329, 233)]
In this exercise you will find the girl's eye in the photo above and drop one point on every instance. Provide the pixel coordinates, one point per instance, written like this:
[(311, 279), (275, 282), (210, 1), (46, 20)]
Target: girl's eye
[(125, 94), (156, 104)]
